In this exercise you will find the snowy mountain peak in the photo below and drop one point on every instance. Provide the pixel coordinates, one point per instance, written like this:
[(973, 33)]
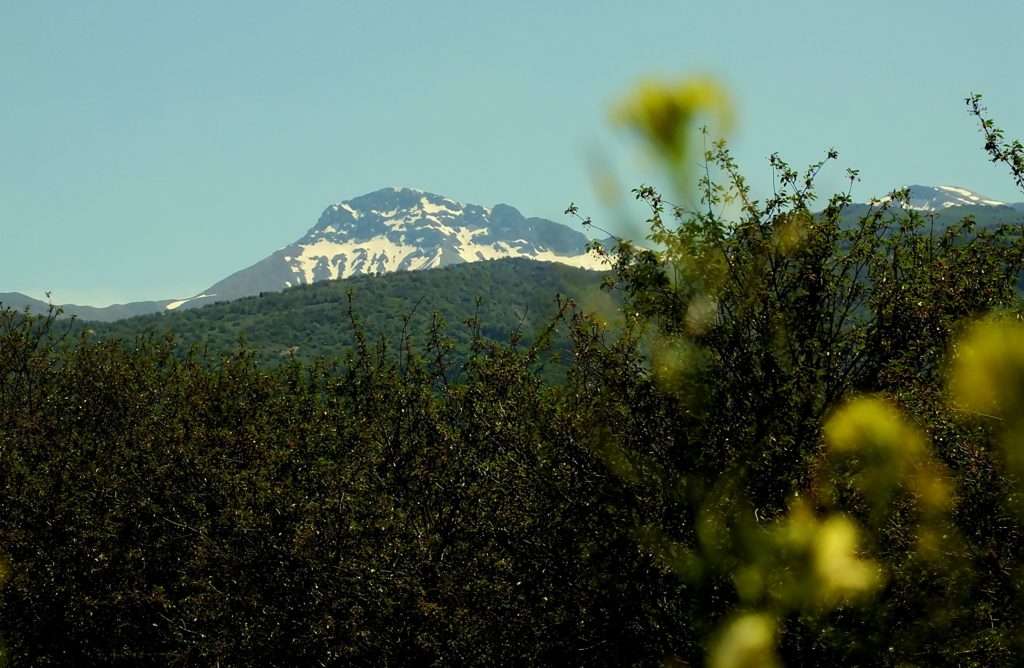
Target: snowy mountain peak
[(388, 202), (937, 198), (947, 196), (402, 229)]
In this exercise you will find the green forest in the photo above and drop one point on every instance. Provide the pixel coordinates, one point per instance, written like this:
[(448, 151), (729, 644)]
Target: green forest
[(507, 298), (784, 431)]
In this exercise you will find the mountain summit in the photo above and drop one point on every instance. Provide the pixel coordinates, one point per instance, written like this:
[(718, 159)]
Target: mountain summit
[(401, 229), (939, 198), (934, 198)]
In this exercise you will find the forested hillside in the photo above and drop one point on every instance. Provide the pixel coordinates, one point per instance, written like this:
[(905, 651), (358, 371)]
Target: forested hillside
[(507, 297)]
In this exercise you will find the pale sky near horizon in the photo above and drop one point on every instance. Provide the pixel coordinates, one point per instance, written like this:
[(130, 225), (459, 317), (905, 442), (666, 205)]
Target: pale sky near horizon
[(150, 149)]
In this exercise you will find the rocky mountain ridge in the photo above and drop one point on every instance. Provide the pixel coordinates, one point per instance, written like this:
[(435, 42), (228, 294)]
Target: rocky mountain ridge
[(402, 229)]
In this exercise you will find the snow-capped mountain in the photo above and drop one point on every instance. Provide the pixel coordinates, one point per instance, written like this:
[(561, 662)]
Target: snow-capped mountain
[(939, 198), (401, 229)]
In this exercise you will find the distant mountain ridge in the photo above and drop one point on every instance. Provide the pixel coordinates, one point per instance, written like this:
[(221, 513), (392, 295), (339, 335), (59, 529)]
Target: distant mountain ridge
[(941, 198), (404, 229), (20, 302)]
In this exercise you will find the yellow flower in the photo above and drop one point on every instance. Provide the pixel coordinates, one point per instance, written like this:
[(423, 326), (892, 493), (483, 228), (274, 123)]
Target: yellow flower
[(663, 113), (868, 423), (747, 642), (828, 546), (841, 574), (988, 371), (890, 453)]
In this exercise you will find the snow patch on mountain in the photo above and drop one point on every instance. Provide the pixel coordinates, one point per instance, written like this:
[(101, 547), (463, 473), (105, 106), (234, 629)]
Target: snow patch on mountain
[(412, 237), (965, 197), (325, 259), (181, 302), (445, 206)]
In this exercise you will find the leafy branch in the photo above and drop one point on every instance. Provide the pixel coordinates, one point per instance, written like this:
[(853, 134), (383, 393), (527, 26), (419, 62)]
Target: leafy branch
[(999, 149)]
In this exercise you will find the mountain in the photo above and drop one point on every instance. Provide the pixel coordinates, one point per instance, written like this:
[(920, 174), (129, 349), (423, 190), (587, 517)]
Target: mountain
[(940, 198), (401, 229), (393, 229)]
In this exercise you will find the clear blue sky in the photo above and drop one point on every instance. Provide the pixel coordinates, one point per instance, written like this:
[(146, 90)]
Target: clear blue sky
[(148, 149)]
